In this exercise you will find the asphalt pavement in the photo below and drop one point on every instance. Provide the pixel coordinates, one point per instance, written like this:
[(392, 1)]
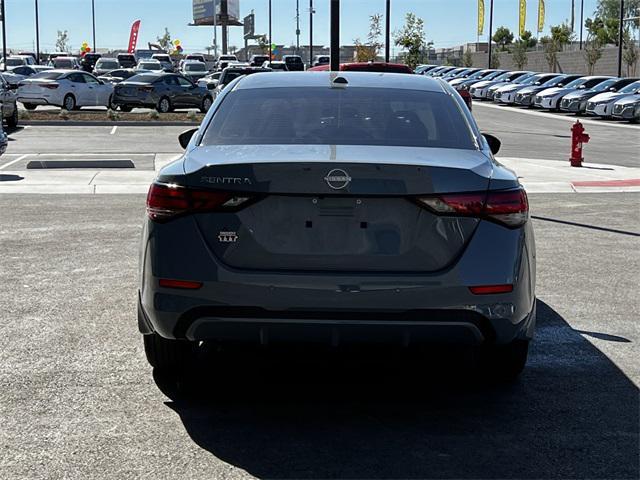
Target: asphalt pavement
[(77, 399)]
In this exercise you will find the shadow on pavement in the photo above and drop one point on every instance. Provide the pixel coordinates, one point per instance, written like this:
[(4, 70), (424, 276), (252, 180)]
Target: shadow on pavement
[(572, 414)]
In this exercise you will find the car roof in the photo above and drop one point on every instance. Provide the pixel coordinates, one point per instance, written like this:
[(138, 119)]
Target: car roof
[(354, 79)]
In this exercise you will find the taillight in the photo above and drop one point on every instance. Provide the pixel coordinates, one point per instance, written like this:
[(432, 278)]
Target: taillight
[(491, 289), (165, 202), (507, 207), (50, 86)]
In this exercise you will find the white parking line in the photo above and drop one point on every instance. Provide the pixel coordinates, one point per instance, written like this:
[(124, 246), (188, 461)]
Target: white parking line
[(2, 167), (113, 130), (557, 117)]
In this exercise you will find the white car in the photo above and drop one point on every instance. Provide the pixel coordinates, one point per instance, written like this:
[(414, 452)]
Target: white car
[(17, 61), (69, 89), (151, 65), (65, 62)]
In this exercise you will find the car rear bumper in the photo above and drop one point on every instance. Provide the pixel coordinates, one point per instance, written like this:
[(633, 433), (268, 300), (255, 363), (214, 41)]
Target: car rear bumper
[(35, 100)]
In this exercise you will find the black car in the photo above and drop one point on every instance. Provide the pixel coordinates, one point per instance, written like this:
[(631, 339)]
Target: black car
[(162, 91), (294, 63), (258, 60), (117, 76), (127, 60), (231, 73), (88, 61)]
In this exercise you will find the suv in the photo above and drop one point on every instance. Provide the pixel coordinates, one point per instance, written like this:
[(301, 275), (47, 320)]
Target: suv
[(321, 60), (165, 61), (294, 63), (194, 70), (105, 65), (89, 61), (231, 73), (127, 60), (8, 99), (258, 60)]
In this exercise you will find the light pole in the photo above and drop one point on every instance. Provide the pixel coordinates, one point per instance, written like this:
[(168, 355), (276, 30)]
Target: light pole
[(311, 12), (490, 32), (4, 35), (335, 35), (37, 35), (387, 41), (93, 15), (297, 27), (620, 37), (581, 21), (270, 39)]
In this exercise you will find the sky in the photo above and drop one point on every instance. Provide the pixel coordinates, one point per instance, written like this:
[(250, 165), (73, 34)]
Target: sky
[(448, 23)]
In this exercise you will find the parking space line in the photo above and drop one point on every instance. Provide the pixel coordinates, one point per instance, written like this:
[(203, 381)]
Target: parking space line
[(2, 167), (113, 130)]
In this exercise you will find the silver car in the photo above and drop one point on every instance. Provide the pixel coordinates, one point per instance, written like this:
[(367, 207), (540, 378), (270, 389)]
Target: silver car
[(365, 207)]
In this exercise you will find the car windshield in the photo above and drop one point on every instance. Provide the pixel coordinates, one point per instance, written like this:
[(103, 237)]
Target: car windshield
[(48, 75), (479, 74), (14, 62), (107, 64), (63, 63), (526, 79), (631, 88), (195, 67), (552, 82), (277, 66), (503, 77), (357, 116), (576, 83), (494, 76), (601, 87)]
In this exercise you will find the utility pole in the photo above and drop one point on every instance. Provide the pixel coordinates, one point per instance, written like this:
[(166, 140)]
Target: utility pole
[(37, 35), (4, 34), (311, 12), (581, 21), (387, 41), (490, 32), (270, 38), (297, 27), (215, 32), (620, 38), (93, 16), (224, 17), (335, 35)]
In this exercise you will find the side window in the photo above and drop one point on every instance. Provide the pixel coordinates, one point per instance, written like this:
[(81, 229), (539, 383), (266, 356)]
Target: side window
[(170, 81), (76, 78), (184, 82), (90, 80)]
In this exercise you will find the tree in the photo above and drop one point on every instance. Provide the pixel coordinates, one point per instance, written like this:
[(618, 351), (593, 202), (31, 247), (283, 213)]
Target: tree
[(62, 42), (562, 35), (412, 38), (630, 56), (606, 19), (528, 38), (520, 57), (551, 49), (495, 60), (467, 58), (503, 37), (369, 52), (592, 53), (165, 40)]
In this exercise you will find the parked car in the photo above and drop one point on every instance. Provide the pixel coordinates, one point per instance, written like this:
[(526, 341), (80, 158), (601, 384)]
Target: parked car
[(65, 63), (440, 72), (526, 96), (31, 57), (17, 74), (4, 140), (89, 60), (162, 91), (258, 60), (69, 89), (210, 82), (602, 104), (452, 73), (627, 108), (151, 65), (194, 70), (507, 93), (520, 80), (380, 67), (9, 101), (197, 57), (276, 66), (294, 63), (127, 60), (13, 62), (465, 73), (576, 102), (480, 90), (354, 192), (229, 74), (117, 76), (105, 65), (321, 60), (422, 69), (551, 97), (224, 60), (165, 61), (487, 74)]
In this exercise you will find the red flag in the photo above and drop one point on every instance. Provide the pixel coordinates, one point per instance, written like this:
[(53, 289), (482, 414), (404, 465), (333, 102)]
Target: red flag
[(133, 38)]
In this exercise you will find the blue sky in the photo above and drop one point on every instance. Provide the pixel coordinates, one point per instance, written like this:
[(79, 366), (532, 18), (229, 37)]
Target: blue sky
[(448, 22)]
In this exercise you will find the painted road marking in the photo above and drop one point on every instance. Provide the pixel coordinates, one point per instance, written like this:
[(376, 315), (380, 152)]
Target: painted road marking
[(632, 182), (113, 130), (2, 167), (557, 117)]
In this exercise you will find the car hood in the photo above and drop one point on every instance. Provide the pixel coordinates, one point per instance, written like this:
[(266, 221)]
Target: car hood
[(629, 100), (483, 83), (533, 89), (550, 92), (580, 95), (497, 85), (509, 88), (606, 97)]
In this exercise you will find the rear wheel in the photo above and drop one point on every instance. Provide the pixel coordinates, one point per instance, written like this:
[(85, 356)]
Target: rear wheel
[(206, 104), (168, 355), (12, 121), (504, 362), (69, 103), (164, 105), (29, 106), (126, 108)]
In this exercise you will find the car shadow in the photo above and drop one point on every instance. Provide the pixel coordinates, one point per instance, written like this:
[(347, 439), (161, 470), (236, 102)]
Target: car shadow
[(572, 414)]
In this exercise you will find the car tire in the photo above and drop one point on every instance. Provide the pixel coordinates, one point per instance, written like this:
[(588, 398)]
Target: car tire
[(126, 108), (168, 355), (206, 104), (69, 103), (30, 106), (12, 121), (112, 106), (164, 105), (503, 362)]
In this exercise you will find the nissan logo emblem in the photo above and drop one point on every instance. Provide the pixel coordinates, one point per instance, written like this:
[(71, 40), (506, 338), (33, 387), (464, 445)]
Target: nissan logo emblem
[(337, 179)]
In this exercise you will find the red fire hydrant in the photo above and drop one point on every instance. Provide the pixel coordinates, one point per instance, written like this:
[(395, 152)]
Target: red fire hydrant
[(578, 137)]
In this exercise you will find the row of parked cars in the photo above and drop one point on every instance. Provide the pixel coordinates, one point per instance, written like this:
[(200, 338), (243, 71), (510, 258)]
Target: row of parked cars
[(595, 95)]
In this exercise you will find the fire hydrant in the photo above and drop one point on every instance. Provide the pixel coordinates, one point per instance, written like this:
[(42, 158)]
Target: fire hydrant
[(578, 137)]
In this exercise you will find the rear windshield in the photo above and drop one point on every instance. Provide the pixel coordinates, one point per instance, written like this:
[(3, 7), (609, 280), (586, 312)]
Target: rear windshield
[(150, 66), (62, 63), (112, 64), (325, 116), (48, 75), (142, 78), (195, 67)]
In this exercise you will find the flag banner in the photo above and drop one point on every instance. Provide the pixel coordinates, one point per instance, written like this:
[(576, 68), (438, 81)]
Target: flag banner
[(523, 16), (540, 15), (480, 17), (133, 37)]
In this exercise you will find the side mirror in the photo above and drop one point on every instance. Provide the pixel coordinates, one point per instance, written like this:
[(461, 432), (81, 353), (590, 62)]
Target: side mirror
[(560, 85), (613, 89), (185, 137), (494, 143)]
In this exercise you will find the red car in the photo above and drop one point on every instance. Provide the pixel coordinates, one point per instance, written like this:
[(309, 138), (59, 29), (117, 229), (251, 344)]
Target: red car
[(367, 67)]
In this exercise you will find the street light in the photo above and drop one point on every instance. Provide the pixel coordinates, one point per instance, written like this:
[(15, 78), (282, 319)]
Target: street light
[(387, 41), (490, 31), (4, 35), (311, 12), (620, 37), (270, 39), (93, 16), (37, 35), (335, 35)]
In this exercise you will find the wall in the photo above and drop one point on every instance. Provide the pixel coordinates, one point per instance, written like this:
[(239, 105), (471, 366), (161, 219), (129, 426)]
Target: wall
[(569, 62)]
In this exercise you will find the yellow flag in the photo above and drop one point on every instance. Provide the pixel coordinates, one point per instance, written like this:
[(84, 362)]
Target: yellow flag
[(540, 15), (523, 16), (480, 17)]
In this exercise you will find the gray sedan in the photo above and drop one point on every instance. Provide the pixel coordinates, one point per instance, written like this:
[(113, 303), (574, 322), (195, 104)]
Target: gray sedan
[(358, 208)]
